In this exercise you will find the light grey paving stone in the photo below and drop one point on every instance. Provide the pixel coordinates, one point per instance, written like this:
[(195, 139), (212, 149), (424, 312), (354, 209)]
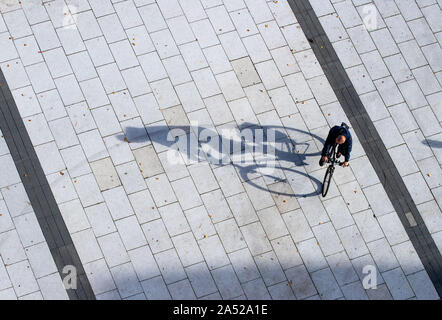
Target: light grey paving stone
[(412, 54), (259, 99), (182, 290), (41, 260), (300, 281), (193, 10), (61, 187), (270, 268), (164, 43), (431, 215), (32, 296), (93, 145), (52, 287), (333, 27), (353, 196), (174, 219), (380, 293), (297, 225), (26, 101), (407, 257), (87, 190), (311, 255), (143, 263), (347, 53), (245, 71), (87, 24), (204, 33), (173, 164), (105, 173), (228, 180), (56, 61), (177, 70), (100, 219), (139, 296), (393, 228), (144, 206), (432, 53), (383, 255), (412, 94), (368, 225), (269, 74), (17, 23), (227, 282), (286, 252), (16, 199), (431, 14), (99, 276), (216, 205), (155, 289), (203, 176), (354, 291), (282, 195), (157, 236), (50, 158), (63, 133), (22, 278), (422, 286), (201, 279), (326, 284), (342, 268), (152, 17), (389, 91), (364, 172), (397, 284), (432, 143), (416, 143), (15, 74), (360, 79), (327, 238), (131, 177), (187, 249), (110, 295), (281, 291), (272, 222), (417, 187), (79, 114), (244, 265), (378, 200), (148, 161), (314, 210), (28, 229), (427, 80), (230, 235), (398, 28), (217, 59), (136, 82), (427, 121), (256, 290), (213, 252), (126, 280), (74, 216), (352, 241), (193, 56), (186, 193), (87, 246), (75, 161), (8, 294), (5, 218), (384, 42), (200, 222), (10, 51), (118, 203), (152, 66), (113, 249), (38, 129), (170, 266), (130, 232), (259, 196), (421, 31), (242, 209), (161, 190), (398, 68), (256, 238), (99, 51)]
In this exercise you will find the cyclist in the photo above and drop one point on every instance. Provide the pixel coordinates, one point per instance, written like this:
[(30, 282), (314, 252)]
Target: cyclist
[(337, 135)]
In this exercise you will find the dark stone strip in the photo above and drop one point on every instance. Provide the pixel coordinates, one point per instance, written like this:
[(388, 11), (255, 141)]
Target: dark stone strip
[(370, 140), (39, 193)]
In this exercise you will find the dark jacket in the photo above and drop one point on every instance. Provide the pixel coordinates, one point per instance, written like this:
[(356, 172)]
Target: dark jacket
[(344, 148)]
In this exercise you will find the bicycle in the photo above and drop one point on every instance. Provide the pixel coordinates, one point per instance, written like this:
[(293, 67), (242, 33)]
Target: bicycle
[(331, 169)]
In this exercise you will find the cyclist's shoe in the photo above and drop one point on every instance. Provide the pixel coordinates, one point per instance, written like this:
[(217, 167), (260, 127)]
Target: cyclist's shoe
[(321, 162)]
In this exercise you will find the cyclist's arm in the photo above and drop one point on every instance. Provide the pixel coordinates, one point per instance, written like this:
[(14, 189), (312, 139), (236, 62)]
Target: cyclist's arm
[(347, 156)]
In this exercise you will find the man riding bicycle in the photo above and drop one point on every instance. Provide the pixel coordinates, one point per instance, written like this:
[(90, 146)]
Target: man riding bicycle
[(338, 135)]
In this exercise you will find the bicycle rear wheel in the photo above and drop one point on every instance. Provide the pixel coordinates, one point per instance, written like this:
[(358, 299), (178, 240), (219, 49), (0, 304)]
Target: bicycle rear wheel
[(327, 181)]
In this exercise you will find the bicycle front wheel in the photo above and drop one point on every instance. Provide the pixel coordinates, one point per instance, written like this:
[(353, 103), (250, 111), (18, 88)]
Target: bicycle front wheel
[(327, 181)]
